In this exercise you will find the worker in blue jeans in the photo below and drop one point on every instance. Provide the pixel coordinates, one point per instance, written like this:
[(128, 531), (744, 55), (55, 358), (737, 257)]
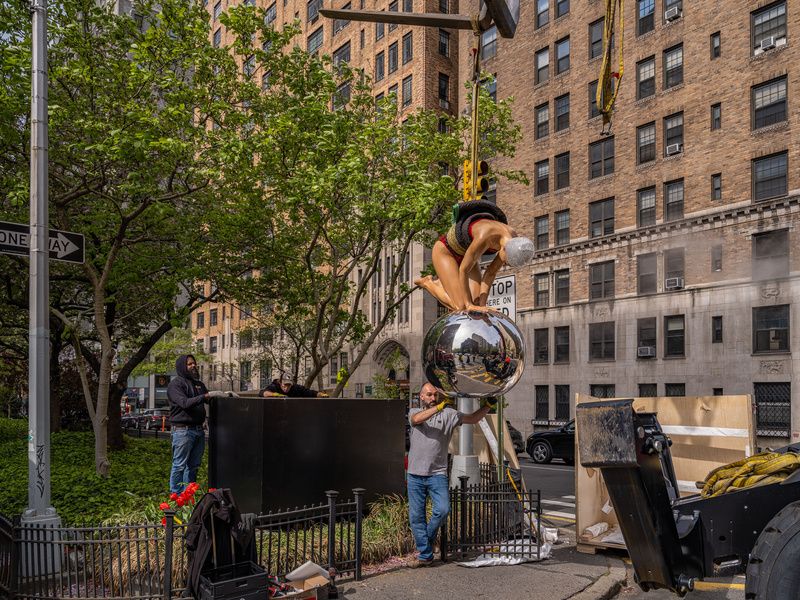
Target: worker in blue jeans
[(432, 427)]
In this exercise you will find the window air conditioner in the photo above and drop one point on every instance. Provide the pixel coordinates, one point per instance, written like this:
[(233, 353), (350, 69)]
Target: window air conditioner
[(673, 283), (672, 13), (768, 43), (646, 352), (674, 149)]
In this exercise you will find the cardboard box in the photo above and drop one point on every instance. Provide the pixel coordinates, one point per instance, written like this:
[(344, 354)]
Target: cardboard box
[(310, 580)]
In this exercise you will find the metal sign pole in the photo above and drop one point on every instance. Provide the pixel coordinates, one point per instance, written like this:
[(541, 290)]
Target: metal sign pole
[(39, 508)]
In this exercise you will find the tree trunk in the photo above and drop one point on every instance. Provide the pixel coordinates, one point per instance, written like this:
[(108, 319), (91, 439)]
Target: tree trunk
[(116, 441), (101, 461)]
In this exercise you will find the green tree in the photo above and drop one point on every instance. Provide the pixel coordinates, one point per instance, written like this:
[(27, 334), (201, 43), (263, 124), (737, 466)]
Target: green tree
[(132, 166), (338, 182)]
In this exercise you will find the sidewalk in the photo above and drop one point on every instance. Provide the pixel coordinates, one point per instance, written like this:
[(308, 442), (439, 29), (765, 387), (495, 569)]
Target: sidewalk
[(567, 574)]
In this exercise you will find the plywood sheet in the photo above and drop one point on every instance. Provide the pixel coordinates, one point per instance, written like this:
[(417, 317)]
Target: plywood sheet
[(706, 431)]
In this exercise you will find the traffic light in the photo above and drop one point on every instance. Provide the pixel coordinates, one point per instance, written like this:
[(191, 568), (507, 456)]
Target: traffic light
[(481, 182)]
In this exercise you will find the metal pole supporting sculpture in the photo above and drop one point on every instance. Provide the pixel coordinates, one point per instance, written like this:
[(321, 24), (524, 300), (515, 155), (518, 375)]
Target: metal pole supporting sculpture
[(473, 352)]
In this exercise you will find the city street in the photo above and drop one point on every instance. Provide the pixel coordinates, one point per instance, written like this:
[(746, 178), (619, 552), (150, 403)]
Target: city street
[(556, 481)]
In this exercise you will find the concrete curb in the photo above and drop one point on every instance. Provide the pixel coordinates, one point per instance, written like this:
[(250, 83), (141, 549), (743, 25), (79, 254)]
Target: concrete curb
[(607, 586)]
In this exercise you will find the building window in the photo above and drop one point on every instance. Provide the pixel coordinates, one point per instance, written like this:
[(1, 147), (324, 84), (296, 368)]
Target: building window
[(342, 55), (601, 341), (201, 320), (407, 91), (602, 390), (716, 116), (716, 258), (562, 402), (716, 330), (562, 112), (593, 110), (596, 38), (769, 176), (361, 40), (771, 254), (716, 45), (392, 58), (218, 37), (408, 6), (271, 14), (601, 280), (716, 391), (562, 55), (315, 41), (674, 263), (408, 48), (444, 42), (673, 134), (646, 21), (601, 218), (542, 232), (673, 66), (562, 227), (646, 273), (646, 337), (773, 409), (541, 288), (561, 344), (542, 177), (379, 31), (674, 389), (443, 7), (646, 78), (768, 25), (542, 13), (771, 329), (212, 317), (542, 65), (339, 24), (562, 8), (673, 200), (716, 186), (648, 390), (444, 91), (312, 10), (646, 206), (217, 10), (489, 43), (646, 143), (379, 66), (562, 287), (393, 7), (769, 103), (542, 121), (541, 346), (562, 171), (342, 95), (674, 336), (212, 344), (542, 402), (601, 158)]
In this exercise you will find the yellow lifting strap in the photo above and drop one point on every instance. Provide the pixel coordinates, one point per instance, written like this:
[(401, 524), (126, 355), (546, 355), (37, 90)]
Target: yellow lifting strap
[(609, 81), (760, 469)]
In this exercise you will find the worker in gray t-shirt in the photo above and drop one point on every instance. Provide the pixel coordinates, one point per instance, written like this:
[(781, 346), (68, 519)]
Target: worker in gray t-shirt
[(431, 429)]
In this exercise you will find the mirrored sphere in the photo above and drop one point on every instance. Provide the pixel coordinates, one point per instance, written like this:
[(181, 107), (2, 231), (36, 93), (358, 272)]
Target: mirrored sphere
[(473, 354)]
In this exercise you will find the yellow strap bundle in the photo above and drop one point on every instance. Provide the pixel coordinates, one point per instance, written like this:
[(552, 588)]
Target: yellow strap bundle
[(760, 469), (607, 88)]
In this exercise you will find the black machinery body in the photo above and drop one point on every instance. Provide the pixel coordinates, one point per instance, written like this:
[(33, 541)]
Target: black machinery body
[(672, 541)]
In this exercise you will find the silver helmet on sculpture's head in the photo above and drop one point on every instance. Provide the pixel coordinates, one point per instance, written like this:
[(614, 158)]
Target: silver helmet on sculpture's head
[(473, 354)]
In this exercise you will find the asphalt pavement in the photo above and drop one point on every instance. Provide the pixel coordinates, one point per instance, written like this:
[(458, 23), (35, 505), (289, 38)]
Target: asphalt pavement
[(556, 481)]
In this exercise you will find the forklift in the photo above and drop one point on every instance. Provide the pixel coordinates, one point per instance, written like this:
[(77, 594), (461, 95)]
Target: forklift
[(674, 541)]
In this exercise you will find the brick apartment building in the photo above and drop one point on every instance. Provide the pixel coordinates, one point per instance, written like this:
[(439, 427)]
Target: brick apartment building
[(668, 255), (421, 67)]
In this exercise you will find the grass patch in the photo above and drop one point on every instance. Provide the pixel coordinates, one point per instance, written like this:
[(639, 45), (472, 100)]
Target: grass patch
[(139, 474)]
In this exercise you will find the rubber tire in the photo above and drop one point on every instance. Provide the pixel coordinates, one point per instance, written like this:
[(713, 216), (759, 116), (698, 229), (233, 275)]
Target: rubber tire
[(147, 425), (772, 572), (545, 457)]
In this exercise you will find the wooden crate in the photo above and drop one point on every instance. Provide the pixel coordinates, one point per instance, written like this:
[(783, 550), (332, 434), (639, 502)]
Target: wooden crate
[(706, 432)]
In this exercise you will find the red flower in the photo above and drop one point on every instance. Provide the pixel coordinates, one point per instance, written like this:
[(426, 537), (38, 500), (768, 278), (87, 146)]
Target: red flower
[(180, 501), (173, 496), (164, 521), (163, 506), (212, 489)]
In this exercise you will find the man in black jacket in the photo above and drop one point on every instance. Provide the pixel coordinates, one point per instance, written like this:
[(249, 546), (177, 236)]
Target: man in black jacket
[(286, 387), (187, 413)]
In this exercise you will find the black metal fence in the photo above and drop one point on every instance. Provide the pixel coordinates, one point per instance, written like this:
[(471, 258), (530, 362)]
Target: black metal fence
[(492, 518), (142, 562)]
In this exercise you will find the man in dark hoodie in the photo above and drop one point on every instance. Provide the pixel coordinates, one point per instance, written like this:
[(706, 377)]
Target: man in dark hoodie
[(187, 414)]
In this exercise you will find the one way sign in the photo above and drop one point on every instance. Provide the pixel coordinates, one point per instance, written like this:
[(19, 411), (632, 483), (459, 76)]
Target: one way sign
[(64, 245)]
